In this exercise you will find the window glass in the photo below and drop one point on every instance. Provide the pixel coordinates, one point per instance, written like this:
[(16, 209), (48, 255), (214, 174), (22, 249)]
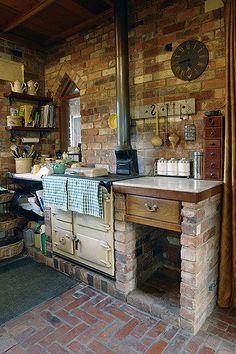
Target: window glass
[(75, 122)]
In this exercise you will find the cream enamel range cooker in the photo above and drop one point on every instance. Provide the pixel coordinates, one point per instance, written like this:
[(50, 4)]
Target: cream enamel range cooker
[(87, 239)]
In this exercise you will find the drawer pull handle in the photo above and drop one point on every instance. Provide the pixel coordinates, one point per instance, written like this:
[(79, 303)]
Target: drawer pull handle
[(212, 154), (151, 208), (212, 165), (213, 175), (212, 144), (211, 121), (212, 133)]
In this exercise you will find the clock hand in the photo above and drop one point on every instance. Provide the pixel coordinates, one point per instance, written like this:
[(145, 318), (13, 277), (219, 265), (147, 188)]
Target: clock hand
[(184, 60)]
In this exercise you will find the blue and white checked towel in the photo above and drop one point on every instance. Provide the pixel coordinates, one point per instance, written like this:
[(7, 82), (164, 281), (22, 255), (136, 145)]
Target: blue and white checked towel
[(85, 196), (55, 192)]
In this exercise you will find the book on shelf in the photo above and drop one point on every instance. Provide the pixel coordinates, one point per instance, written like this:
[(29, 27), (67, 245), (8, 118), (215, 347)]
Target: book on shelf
[(47, 116)]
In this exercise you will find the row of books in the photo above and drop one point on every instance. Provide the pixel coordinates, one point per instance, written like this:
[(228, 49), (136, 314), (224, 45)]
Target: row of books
[(40, 117), (44, 117)]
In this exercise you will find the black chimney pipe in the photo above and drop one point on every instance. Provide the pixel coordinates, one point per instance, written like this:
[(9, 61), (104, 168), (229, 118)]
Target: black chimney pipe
[(122, 75), (126, 157)]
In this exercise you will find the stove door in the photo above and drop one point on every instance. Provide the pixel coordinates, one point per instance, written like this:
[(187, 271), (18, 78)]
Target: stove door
[(94, 251), (63, 241)]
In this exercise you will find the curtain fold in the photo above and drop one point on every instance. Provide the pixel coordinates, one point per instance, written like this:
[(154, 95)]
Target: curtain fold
[(227, 268)]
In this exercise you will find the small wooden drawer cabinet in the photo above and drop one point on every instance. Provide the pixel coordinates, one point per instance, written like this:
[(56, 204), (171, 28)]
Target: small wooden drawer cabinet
[(213, 147), (156, 212)]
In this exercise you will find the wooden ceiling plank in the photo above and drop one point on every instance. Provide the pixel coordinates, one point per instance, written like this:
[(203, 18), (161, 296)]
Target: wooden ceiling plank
[(75, 8), (109, 2), (81, 26), (27, 15), (23, 41)]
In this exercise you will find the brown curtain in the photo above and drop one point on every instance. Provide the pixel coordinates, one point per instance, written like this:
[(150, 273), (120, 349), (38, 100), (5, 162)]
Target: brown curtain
[(227, 275)]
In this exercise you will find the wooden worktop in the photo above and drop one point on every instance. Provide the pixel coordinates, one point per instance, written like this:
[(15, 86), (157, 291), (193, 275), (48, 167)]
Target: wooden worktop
[(172, 188)]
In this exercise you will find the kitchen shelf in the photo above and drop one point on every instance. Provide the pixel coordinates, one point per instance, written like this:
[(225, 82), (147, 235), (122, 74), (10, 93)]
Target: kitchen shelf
[(24, 96), (32, 129)]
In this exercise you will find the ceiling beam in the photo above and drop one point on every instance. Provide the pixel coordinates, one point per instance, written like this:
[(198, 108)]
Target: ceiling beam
[(91, 22), (27, 15), (75, 8), (23, 41), (109, 2)]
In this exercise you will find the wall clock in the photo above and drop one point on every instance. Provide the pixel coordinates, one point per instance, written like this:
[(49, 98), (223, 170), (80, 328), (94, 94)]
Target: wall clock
[(189, 60)]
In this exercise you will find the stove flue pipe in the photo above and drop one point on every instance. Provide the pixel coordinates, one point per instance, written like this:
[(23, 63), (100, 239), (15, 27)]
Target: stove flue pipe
[(122, 75)]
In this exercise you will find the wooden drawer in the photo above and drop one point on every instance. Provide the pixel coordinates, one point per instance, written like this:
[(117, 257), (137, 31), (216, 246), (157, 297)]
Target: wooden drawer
[(212, 164), (213, 133), (214, 121), (215, 143), (213, 174), (153, 211), (213, 154)]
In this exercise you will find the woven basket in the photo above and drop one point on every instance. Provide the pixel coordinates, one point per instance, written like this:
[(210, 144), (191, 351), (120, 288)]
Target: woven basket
[(11, 250), (6, 197), (8, 221)]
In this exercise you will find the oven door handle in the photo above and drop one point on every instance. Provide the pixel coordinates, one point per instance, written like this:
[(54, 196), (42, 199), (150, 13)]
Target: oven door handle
[(77, 245), (107, 227)]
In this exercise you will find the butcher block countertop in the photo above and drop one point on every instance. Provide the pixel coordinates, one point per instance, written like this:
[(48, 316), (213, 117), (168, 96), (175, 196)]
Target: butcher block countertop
[(172, 188)]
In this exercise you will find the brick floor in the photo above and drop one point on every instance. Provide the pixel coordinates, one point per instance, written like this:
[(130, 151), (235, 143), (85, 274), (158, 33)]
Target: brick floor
[(84, 320)]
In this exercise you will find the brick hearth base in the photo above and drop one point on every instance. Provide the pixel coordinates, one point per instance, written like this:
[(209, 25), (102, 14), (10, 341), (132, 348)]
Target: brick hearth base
[(199, 263)]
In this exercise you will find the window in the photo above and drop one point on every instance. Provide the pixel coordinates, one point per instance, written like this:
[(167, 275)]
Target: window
[(70, 119), (74, 124)]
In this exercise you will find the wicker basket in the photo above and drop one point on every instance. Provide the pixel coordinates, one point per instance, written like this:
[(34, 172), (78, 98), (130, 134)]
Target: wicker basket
[(8, 221), (6, 197), (11, 250)]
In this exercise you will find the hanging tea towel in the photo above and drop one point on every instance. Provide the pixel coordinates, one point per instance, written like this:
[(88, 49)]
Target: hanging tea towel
[(55, 192), (85, 196)]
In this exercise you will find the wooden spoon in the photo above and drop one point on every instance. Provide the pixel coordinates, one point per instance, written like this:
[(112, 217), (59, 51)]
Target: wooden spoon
[(157, 140)]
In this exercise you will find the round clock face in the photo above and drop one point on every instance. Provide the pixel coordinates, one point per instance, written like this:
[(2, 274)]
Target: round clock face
[(189, 60)]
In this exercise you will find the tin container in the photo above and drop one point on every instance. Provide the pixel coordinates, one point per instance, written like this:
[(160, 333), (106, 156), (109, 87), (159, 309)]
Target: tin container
[(172, 167), (197, 164)]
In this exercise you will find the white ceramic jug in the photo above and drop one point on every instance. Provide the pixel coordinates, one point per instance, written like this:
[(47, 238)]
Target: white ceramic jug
[(32, 87), (17, 86)]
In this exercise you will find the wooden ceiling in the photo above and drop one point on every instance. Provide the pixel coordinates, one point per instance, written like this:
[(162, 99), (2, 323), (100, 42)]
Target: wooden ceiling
[(41, 23)]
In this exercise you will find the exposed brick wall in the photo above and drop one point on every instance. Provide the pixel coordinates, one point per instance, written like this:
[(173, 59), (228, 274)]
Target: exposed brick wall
[(33, 70), (88, 59)]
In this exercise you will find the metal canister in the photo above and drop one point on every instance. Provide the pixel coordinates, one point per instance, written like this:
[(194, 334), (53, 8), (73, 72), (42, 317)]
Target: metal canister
[(197, 164)]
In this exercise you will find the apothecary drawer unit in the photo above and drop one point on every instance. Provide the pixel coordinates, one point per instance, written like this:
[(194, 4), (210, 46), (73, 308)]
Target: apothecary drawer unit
[(213, 147)]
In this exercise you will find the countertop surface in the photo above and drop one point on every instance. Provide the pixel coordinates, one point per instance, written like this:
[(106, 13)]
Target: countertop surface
[(174, 184)]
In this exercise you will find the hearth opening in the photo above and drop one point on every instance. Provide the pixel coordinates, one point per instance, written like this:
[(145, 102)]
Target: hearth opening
[(158, 273)]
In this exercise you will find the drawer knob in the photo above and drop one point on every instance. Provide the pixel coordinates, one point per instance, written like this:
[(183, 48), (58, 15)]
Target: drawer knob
[(151, 208), (212, 154), (211, 121), (212, 133), (212, 165)]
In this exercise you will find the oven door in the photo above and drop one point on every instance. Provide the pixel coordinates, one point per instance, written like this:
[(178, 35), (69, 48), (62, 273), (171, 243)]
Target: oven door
[(95, 249), (63, 240)]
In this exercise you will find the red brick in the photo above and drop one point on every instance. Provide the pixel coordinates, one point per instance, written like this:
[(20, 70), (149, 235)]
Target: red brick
[(100, 348), (72, 334), (76, 347), (72, 320), (84, 316), (56, 349), (174, 27), (48, 340), (76, 303), (117, 313), (157, 329), (158, 347), (207, 350), (125, 331)]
